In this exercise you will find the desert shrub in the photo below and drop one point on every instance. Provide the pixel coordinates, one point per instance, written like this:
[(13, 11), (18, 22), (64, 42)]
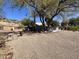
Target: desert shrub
[(74, 28), (2, 41)]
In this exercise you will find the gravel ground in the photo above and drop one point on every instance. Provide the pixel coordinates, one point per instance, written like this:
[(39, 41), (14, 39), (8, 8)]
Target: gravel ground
[(60, 45)]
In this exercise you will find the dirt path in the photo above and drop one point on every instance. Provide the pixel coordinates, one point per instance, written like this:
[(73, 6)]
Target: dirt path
[(61, 45)]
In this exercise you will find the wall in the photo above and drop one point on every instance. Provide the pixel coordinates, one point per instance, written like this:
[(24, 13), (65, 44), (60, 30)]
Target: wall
[(8, 28)]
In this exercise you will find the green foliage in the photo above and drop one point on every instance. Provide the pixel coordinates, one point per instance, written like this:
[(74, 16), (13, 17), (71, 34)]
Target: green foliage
[(1, 2), (49, 8), (74, 28), (55, 23), (74, 22), (26, 22), (64, 23)]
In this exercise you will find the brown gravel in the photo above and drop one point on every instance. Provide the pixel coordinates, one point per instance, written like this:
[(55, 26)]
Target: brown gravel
[(60, 45)]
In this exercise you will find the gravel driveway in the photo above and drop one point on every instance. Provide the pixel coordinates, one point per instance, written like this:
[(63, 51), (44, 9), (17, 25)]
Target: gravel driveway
[(60, 45)]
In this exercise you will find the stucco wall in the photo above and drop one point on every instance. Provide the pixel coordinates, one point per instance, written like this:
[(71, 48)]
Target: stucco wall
[(8, 28)]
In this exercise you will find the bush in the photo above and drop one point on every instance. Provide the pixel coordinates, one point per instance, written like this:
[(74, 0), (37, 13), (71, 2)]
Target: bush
[(2, 41), (74, 28)]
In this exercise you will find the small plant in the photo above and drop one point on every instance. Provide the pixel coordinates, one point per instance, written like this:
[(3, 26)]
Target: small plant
[(2, 41), (74, 28)]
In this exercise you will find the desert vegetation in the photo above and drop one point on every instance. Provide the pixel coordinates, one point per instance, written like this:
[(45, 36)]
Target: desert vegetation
[(71, 24), (2, 40)]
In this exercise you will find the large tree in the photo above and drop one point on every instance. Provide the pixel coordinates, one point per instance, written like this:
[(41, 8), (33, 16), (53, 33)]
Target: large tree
[(48, 9)]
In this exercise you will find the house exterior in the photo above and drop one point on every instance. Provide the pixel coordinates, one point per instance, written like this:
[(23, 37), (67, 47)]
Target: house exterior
[(9, 26)]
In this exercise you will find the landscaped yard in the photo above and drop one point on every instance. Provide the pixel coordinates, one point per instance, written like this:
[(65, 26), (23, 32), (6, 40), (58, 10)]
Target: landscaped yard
[(59, 45)]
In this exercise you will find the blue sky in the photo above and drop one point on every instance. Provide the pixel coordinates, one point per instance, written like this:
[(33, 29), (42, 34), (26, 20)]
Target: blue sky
[(19, 14), (14, 13)]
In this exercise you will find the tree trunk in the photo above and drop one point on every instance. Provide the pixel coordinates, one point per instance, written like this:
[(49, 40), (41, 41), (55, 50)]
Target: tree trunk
[(34, 22), (48, 21), (42, 21), (34, 18)]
